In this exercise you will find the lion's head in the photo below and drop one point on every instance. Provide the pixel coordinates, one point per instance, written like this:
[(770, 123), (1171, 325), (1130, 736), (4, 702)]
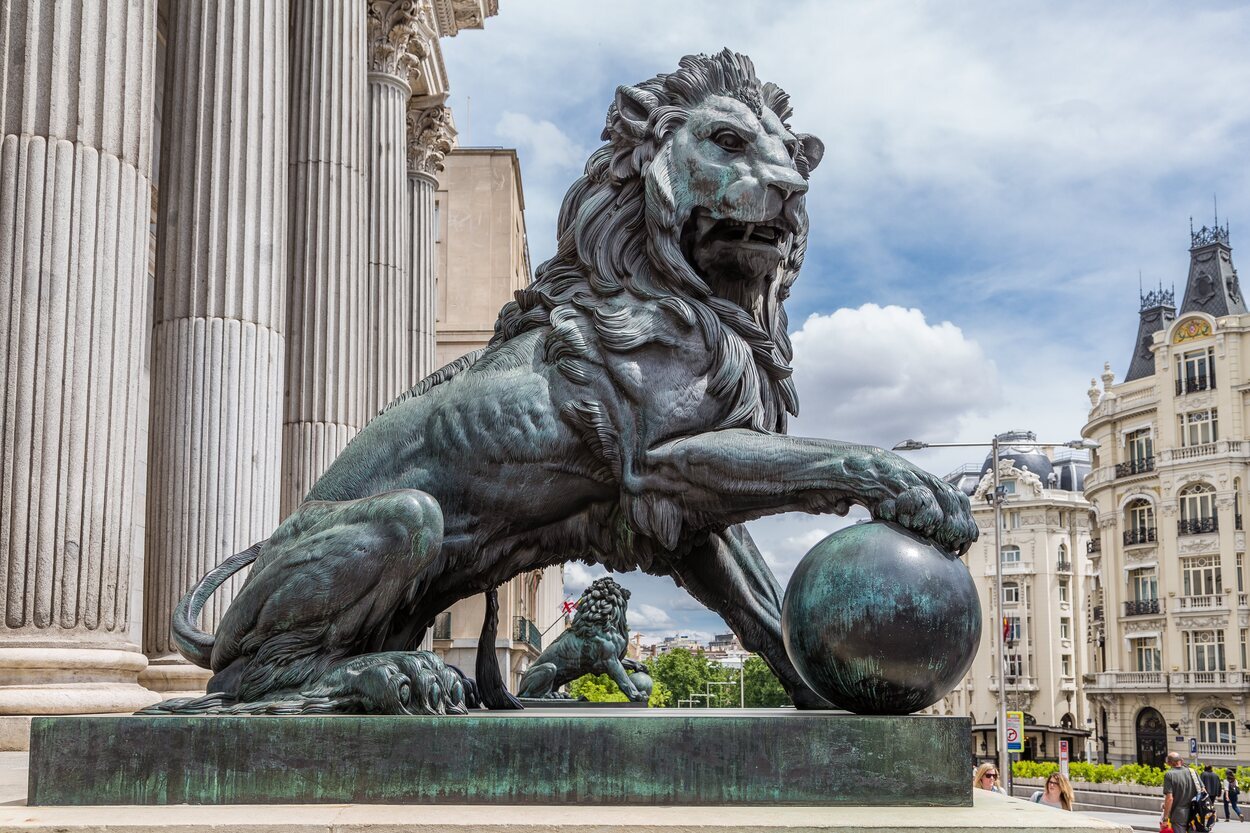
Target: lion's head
[(601, 608), (699, 195)]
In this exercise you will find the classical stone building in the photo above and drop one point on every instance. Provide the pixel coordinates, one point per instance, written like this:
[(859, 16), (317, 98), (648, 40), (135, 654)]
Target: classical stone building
[(218, 226), (482, 259), (1169, 650), (1046, 527)]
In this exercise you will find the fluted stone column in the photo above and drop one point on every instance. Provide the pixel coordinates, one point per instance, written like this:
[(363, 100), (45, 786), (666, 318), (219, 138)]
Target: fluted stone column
[(76, 109), (219, 317), (393, 30), (430, 137), (327, 301)]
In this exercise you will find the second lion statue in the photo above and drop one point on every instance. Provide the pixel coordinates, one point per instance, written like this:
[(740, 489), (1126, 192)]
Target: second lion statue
[(630, 410)]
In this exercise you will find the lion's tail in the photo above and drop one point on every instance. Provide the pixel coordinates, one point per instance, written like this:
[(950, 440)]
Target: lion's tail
[(192, 642)]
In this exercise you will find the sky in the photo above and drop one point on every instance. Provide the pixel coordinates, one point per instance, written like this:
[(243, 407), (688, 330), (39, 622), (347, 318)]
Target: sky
[(997, 182)]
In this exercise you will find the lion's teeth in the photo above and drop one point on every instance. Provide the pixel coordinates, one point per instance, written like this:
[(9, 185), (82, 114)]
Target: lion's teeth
[(747, 234)]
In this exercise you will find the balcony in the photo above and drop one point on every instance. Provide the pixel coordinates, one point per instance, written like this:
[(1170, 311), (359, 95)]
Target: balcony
[(1011, 568), (1194, 452), (1015, 683), (1217, 750), (1097, 614), (1127, 680), (1143, 607), (1139, 466), (1194, 384), (1140, 535), (1197, 526), (1093, 546), (523, 630), (442, 625), (1063, 566), (1207, 680), (1201, 603)]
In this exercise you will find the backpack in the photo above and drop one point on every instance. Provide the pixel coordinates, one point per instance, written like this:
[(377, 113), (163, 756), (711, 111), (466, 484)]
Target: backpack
[(1201, 809)]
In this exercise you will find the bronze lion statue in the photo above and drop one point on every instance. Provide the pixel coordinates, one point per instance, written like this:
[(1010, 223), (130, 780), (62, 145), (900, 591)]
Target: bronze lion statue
[(595, 644), (630, 410)]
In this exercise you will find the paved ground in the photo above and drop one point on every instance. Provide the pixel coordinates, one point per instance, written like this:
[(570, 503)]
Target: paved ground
[(13, 777), (1150, 821)]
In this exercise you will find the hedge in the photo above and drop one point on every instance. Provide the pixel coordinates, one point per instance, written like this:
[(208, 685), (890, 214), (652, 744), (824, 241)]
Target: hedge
[(1146, 776)]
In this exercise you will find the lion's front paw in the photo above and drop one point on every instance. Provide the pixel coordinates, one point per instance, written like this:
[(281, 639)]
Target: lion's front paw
[(929, 507)]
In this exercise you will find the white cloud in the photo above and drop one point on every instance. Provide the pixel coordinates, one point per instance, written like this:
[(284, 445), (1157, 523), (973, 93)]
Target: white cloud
[(578, 576), (646, 617), (882, 374)]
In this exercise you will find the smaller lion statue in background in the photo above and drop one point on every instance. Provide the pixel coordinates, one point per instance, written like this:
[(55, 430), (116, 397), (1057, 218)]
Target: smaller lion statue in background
[(595, 644)]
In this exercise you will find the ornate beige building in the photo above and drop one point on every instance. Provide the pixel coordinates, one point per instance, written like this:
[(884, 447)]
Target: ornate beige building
[(218, 260), (1168, 653), (1046, 525)]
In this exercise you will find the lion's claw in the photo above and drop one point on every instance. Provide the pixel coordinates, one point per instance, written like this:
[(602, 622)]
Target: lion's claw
[(928, 506)]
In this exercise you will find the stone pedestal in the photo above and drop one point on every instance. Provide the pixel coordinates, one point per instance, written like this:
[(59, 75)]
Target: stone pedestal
[(74, 213), (219, 316), (327, 301)]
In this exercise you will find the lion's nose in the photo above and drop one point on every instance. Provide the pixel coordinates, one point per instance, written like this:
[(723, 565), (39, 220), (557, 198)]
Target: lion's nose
[(786, 180)]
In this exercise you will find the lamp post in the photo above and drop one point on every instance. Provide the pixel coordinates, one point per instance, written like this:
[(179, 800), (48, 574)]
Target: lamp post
[(1000, 728)]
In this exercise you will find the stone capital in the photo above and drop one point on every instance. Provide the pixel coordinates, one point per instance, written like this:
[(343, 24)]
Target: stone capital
[(431, 135), (398, 36)]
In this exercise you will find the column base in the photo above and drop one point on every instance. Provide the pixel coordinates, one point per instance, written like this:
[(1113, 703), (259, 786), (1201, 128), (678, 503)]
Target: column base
[(173, 676), (85, 681)]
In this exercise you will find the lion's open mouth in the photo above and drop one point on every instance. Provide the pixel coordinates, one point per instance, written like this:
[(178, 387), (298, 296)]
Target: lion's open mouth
[(735, 257), (728, 230)]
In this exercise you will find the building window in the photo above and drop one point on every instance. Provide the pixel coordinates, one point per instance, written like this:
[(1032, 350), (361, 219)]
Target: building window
[(1241, 584), (1199, 428), (1198, 506), (1141, 522), (1140, 447), (1243, 649), (1202, 575), (1011, 593), (1216, 724), (1063, 590), (1015, 520), (1015, 666), (1013, 628), (1146, 654), (1204, 650), (1065, 665), (1065, 627), (1195, 371), (1007, 487), (1011, 555), (1144, 584)]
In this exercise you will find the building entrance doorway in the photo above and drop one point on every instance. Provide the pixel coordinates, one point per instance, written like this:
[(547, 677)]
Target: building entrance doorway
[(1152, 738)]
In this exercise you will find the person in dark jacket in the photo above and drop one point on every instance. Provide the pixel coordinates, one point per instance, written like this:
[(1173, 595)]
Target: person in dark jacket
[(1210, 783)]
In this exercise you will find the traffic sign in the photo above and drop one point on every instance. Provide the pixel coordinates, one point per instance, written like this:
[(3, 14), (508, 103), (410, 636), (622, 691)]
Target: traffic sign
[(1015, 732), (1063, 757), (1193, 746)]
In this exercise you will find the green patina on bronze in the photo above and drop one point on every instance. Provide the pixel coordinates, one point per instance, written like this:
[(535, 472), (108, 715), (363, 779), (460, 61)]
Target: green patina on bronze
[(778, 757)]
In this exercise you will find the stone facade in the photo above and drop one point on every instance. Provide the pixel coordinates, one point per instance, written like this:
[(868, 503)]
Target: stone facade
[(1046, 527), (225, 210), (1167, 654)]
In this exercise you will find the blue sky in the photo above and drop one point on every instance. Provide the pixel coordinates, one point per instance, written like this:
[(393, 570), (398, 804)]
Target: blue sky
[(996, 176)]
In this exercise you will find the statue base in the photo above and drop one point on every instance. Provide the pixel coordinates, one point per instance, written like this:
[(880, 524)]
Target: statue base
[(553, 757), (543, 703)]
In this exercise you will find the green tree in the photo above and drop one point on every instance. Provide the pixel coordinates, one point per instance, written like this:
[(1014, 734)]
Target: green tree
[(763, 689), (597, 688), (661, 697), (681, 673)]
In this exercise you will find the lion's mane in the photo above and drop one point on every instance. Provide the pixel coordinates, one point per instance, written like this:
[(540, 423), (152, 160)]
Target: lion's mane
[(611, 238), (601, 608)]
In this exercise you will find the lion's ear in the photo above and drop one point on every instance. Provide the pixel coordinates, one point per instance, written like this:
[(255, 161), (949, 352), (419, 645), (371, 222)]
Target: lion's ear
[(634, 106), (813, 151)]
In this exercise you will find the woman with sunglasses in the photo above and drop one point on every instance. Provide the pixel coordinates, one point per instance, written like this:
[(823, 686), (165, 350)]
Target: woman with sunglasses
[(986, 778), (1058, 792)]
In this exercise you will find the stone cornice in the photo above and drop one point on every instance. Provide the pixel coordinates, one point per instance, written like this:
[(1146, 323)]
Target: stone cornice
[(431, 135), (400, 34)]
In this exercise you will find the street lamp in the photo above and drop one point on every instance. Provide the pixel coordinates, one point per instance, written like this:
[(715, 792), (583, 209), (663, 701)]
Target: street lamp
[(1000, 729)]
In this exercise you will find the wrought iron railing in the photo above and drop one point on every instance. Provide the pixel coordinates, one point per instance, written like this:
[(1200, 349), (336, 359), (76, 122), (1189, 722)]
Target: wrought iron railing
[(1063, 566), (1139, 535), (1093, 545), (1193, 384), (1097, 613), (1138, 466), (442, 625), (1142, 607), (523, 630), (1197, 526)]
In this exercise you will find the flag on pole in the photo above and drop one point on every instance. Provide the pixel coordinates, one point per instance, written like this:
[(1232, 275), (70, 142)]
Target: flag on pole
[(1006, 629), (568, 606)]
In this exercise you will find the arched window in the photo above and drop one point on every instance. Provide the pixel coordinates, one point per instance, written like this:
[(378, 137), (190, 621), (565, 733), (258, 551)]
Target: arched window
[(1197, 509), (1140, 522), (1067, 722), (1011, 555), (1216, 724)]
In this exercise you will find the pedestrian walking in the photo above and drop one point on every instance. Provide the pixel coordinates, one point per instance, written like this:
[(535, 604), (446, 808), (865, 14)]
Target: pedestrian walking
[(1230, 794), (1179, 788), (986, 778), (1057, 793), (1210, 782)]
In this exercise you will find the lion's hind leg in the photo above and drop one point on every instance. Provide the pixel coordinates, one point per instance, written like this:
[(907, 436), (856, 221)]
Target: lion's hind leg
[(538, 681)]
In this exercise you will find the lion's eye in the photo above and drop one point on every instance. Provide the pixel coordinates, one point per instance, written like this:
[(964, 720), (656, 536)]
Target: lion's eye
[(728, 140)]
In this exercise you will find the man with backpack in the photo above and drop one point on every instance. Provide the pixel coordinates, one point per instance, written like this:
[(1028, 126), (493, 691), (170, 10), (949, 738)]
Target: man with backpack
[(1179, 789)]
